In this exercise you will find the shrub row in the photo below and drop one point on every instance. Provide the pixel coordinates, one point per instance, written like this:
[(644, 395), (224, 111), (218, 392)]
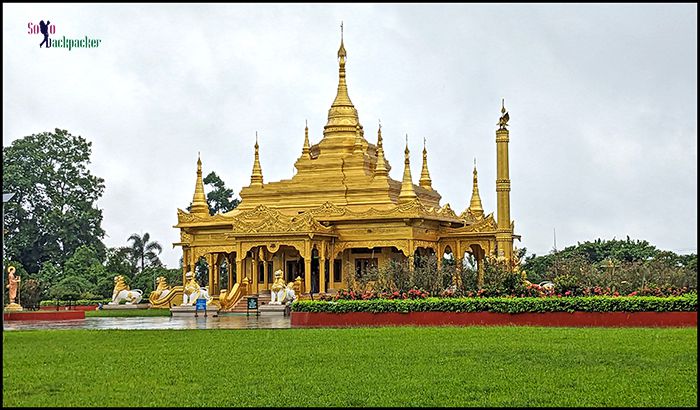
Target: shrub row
[(685, 303), (79, 302)]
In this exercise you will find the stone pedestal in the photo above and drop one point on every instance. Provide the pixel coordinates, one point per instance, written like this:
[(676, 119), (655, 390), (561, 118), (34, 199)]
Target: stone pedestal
[(277, 310), (189, 311), (125, 306), (13, 307)]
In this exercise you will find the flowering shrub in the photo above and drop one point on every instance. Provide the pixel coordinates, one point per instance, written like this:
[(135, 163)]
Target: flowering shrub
[(344, 294)]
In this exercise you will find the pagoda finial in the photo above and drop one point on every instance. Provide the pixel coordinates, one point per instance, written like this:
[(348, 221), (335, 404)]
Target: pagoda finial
[(503, 121), (475, 209), (342, 113), (382, 170), (407, 193), (425, 181), (341, 51), (307, 148), (199, 200), (256, 178)]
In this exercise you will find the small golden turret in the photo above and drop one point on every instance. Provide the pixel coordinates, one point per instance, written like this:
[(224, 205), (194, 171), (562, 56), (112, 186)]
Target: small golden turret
[(425, 181), (475, 209), (407, 193), (256, 178), (381, 171), (358, 140), (307, 148), (199, 200)]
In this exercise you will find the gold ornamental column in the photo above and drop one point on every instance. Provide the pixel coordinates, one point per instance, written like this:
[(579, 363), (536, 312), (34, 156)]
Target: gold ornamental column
[(254, 260), (239, 269), (307, 267), (504, 234), (210, 264), (185, 262)]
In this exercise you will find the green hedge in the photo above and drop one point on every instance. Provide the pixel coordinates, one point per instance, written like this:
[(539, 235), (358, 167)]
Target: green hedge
[(79, 302), (685, 303)]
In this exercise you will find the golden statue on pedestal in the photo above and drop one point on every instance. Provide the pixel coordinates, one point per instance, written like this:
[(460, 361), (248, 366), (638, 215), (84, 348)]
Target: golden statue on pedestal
[(13, 286)]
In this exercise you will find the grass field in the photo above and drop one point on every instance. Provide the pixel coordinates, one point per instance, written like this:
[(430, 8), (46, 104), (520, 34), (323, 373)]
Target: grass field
[(391, 366), (127, 313)]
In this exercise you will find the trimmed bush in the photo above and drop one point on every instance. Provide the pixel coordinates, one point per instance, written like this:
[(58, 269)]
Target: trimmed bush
[(685, 303), (79, 302)]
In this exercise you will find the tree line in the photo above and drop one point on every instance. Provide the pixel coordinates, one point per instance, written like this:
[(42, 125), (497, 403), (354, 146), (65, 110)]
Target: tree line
[(52, 230)]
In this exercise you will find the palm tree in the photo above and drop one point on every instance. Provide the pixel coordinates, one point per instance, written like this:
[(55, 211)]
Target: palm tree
[(142, 250)]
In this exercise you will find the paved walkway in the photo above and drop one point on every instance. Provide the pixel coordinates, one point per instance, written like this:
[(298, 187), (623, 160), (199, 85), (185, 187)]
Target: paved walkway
[(157, 322)]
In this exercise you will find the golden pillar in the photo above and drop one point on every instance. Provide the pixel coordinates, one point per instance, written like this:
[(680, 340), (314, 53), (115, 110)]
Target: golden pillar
[(185, 262), (239, 268), (229, 271), (504, 233), (210, 265), (254, 261), (307, 267)]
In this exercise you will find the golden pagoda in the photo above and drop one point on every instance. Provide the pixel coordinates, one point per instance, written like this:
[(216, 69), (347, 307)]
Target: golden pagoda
[(340, 213)]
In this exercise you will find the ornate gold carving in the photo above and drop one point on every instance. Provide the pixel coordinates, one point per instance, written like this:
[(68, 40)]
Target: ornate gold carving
[(425, 244), (185, 237)]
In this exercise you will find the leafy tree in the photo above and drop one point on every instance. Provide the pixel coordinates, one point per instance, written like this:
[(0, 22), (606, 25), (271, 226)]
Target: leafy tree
[(53, 211), (120, 262), (72, 288), (30, 294), (143, 250), (219, 199)]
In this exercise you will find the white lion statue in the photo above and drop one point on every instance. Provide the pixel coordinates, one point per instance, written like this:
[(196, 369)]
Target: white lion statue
[(192, 291), (122, 292)]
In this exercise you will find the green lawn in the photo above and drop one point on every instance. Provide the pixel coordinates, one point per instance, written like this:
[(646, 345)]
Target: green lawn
[(391, 366), (127, 313)]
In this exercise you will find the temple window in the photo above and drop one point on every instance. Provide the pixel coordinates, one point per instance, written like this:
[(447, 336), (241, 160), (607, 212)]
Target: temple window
[(337, 270)]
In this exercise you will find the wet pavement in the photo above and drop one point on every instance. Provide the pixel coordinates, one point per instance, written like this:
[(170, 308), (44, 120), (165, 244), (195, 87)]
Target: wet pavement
[(230, 321)]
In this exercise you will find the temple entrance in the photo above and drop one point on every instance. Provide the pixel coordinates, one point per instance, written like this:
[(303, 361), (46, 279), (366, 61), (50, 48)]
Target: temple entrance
[(315, 277), (294, 268)]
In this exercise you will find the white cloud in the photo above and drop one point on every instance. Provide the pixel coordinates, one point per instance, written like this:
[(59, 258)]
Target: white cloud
[(603, 101)]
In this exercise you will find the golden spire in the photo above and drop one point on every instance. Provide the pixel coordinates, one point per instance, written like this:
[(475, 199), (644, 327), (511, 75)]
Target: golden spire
[(475, 207), (199, 200), (305, 151), (342, 109), (256, 178), (407, 193), (381, 170), (425, 181)]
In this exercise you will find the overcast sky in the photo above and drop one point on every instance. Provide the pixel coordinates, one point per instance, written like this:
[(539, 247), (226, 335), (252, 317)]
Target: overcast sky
[(602, 100)]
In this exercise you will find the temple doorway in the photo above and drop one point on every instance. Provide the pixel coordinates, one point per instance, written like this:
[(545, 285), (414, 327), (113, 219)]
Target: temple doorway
[(315, 277), (294, 268)]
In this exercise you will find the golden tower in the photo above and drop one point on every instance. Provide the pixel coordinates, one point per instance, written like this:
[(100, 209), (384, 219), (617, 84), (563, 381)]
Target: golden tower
[(504, 235)]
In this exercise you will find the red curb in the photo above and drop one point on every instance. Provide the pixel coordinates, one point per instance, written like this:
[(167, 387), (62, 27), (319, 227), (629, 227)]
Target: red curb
[(562, 319), (45, 315)]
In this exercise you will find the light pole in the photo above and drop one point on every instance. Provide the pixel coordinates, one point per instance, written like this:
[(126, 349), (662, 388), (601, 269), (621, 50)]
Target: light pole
[(5, 197)]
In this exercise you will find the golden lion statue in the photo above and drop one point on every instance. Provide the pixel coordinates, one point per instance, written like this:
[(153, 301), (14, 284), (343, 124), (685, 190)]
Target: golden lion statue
[(162, 290)]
